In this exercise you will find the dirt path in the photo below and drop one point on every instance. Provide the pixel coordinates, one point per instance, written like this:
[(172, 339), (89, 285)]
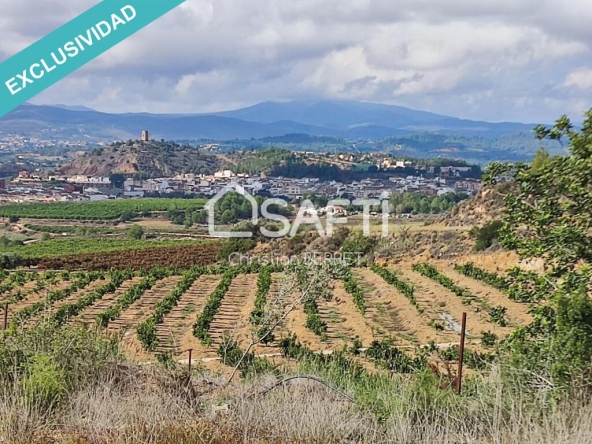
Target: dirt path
[(88, 316), (179, 321), (517, 312), (449, 306), (395, 316), (344, 321)]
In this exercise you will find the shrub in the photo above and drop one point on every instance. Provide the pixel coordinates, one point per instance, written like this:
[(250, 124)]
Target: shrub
[(488, 339), (359, 244), (234, 245), (498, 316), (486, 235), (135, 232), (9, 261), (127, 215), (45, 383)]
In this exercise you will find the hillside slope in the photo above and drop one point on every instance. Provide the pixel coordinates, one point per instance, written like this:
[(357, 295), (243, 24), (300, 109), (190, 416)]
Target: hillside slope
[(152, 159), (485, 207)]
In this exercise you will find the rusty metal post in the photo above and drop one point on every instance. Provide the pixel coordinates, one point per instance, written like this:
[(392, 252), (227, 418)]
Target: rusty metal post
[(190, 353), (5, 324), (461, 353)]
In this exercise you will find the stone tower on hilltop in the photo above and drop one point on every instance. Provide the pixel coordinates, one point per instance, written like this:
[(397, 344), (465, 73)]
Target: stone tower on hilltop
[(145, 137)]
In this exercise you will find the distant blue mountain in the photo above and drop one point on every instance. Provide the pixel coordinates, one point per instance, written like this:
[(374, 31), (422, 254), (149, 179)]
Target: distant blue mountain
[(355, 117), (348, 119), (72, 108)]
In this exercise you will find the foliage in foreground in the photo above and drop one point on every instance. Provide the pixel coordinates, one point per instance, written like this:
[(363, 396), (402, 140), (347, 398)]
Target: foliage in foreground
[(548, 216), (47, 363), (51, 388)]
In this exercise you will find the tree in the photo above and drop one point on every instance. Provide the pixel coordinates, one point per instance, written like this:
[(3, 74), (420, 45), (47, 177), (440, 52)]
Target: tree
[(548, 215), (135, 232), (10, 261), (127, 215), (13, 219), (117, 180), (541, 158)]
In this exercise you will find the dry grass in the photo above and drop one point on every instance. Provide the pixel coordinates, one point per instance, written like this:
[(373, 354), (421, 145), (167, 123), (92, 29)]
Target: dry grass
[(72, 386), (133, 406)]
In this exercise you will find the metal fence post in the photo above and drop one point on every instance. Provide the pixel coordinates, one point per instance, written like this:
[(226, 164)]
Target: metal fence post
[(461, 353), (190, 354), (5, 324)]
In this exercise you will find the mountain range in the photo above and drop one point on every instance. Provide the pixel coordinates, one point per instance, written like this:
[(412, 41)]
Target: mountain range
[(346, 119)]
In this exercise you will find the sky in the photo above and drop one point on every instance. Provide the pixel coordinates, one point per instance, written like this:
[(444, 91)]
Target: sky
[(497, 60)]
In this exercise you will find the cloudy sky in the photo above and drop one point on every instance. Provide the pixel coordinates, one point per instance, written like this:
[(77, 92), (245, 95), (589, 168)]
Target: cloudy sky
[(516, 60)]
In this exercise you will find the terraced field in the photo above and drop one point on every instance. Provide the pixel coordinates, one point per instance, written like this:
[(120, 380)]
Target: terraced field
[(89, 315), (179, 321), (409, 308), (391, 314), (68, 300)]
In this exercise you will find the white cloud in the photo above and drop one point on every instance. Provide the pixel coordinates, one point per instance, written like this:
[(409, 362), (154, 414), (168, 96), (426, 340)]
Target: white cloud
[(581, 78), (492, 59)]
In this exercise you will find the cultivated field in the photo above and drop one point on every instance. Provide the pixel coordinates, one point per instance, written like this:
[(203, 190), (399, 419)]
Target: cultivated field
[(105, 210), (167, 312)]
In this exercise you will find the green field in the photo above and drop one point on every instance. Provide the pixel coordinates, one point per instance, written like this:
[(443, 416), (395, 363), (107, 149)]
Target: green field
[(65, 247), (105, 210)]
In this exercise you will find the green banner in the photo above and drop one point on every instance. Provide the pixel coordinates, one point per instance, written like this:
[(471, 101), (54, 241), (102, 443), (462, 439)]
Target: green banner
[(73, 45)]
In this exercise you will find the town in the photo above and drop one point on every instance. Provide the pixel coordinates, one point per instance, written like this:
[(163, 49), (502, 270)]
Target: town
[(29, 188)]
